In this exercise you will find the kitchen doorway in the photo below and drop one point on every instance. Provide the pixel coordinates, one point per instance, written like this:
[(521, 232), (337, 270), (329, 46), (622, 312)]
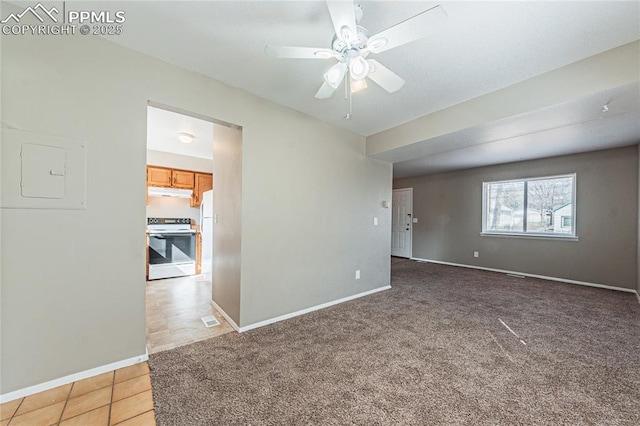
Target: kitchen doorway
[(179, 216)]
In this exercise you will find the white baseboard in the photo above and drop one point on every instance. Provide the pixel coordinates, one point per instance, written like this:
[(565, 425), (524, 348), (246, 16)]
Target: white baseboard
[(311, 309), (543, 277), (231, 322), (10, 396)]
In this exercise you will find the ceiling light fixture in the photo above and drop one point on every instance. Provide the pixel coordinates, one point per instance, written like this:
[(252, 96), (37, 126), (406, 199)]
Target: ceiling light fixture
[(185, 137), (358, 85), (336, 73), (347, 34), (358, 68)]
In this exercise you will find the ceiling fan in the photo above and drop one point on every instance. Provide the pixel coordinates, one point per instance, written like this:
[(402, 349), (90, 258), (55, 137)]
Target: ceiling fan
[(352, 44)]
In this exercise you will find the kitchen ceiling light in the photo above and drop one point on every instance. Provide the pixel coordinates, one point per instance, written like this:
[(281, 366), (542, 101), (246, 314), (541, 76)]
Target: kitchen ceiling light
[(185, 137)]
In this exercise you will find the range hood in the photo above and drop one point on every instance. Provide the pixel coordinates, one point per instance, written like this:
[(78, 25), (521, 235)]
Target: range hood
[(169, 192)]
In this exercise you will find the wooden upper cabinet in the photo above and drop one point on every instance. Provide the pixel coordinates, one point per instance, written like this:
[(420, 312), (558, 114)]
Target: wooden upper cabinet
[(182, 179), (170, 178), (158, 176), (203, 183)]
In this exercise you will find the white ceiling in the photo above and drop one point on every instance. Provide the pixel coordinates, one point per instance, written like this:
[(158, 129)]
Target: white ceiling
[(162, 133), (482, 47)]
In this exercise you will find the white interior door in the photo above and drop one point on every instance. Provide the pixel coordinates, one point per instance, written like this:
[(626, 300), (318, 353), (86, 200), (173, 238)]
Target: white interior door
[(402, 224)]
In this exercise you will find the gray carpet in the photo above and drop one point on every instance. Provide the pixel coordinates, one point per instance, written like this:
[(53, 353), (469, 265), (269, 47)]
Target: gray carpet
[(432, 350)]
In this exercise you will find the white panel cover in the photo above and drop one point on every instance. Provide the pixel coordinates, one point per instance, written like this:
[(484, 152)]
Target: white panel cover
[(42, 171)]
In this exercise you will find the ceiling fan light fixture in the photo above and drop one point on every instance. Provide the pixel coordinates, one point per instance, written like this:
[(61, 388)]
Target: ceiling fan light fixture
[(346, 34), (358, 85), (185, 137), (358, 68), (336, 73)]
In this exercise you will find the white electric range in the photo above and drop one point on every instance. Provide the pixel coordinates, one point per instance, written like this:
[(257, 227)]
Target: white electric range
[(172, 247)]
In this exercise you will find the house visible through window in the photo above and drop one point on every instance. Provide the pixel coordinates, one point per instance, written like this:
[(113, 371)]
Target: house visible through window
[(539, 206)]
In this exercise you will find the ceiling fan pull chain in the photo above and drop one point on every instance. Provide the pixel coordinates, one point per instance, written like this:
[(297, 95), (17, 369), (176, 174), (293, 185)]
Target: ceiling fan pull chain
[(346, 88), (348, 96)]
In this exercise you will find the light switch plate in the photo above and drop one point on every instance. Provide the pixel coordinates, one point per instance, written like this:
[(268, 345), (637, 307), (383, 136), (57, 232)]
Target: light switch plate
[(415, 220)]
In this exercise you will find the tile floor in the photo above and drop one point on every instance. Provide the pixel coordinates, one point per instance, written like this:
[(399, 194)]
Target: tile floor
[(121, 397), (175, 307)]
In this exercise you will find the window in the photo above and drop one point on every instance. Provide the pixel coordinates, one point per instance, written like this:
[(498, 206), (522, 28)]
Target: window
[(541, 206)]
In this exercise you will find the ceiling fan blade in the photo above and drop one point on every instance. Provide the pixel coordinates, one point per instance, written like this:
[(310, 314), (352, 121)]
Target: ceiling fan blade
[(291, 52), (325, 91), (344, 19), (407, 31), (384, 77)]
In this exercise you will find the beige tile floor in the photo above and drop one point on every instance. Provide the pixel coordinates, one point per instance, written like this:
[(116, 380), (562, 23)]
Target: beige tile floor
[(175, 308), (121, 397)]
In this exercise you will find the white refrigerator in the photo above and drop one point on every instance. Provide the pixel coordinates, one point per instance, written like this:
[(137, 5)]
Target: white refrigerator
[(206, 229)]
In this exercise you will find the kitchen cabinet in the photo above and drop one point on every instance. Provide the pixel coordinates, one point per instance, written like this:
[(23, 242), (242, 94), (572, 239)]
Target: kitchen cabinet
[(182, 179), (158, 176), (203, 183), (170, 178)]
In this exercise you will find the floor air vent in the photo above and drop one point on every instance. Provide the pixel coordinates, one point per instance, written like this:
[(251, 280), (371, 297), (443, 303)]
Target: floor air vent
[(210, 321)]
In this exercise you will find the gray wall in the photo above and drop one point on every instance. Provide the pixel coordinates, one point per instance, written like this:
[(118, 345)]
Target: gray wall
[(448, 207), (308, 197)]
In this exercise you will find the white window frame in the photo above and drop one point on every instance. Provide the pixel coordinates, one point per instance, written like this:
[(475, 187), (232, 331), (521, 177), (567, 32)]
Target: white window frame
[(573, 236)]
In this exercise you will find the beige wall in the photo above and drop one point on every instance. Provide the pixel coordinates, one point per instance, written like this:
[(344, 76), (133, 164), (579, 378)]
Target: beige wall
[(448, 208), (73, 281), (309, 202), (177, 161), (227, 233), (607, 70)]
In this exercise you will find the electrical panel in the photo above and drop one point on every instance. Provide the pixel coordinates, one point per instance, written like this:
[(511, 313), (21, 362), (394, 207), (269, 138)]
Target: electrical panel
[(42, 171)]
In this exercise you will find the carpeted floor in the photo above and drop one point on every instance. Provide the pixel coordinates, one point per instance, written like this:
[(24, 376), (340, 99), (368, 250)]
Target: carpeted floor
[(435, 349)]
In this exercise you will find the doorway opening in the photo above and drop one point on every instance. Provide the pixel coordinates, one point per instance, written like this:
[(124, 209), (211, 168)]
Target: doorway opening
[(179, 216), (402, 223)]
